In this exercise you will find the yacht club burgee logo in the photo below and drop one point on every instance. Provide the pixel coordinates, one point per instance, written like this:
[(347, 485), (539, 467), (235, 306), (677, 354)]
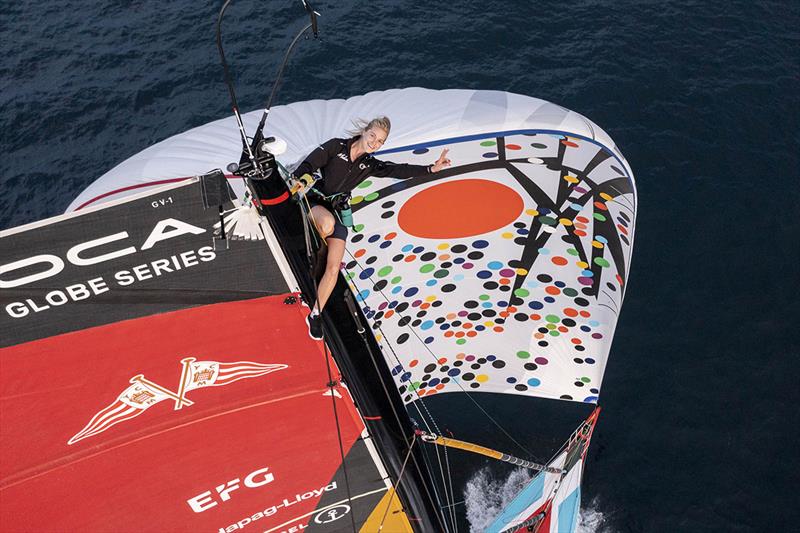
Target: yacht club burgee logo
[(143, 393)]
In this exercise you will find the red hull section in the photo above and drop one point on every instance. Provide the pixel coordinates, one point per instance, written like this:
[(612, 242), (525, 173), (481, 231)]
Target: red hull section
[(253, 451)]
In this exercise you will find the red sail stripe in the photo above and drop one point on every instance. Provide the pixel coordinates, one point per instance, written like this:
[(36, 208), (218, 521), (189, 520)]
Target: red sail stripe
[(110, 417), (230, 378), (109, 412), (122, 418), (245, 365)]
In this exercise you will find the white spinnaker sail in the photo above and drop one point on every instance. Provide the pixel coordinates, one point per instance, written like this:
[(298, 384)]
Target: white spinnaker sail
[(540, 203), (417, 114)]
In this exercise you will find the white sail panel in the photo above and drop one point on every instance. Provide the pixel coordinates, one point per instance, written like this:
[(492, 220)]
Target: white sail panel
[(418, 115), (502, 274)]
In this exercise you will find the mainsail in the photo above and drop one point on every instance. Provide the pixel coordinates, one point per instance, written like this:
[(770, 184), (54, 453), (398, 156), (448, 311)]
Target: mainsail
[(487, 290)]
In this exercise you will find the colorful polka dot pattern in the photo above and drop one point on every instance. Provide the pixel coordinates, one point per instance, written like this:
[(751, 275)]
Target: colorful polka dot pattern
[(529, 305)]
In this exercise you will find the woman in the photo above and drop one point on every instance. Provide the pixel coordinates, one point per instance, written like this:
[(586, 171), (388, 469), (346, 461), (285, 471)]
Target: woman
[(344, 163)]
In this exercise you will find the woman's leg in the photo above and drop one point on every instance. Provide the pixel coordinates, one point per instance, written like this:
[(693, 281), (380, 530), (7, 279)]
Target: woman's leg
[(325, 222), (332, 266)]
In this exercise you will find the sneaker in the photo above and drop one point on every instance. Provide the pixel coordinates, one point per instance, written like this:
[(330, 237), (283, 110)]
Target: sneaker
[(314, 327)]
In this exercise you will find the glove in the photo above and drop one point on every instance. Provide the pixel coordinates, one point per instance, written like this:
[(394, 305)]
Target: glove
[(302, 183)]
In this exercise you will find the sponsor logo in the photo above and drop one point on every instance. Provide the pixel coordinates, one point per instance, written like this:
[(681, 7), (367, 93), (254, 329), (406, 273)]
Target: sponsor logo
[(205, 500), (122, 278), (324, 515), (48, 265), (342, 156), (332, 515), (143, 393)]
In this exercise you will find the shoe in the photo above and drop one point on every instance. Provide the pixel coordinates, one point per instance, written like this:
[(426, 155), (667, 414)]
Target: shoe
[(314, 327)]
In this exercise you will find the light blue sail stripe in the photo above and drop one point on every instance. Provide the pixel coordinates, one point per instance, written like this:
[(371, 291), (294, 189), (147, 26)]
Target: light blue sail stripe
[(568, 512), (532, 492)]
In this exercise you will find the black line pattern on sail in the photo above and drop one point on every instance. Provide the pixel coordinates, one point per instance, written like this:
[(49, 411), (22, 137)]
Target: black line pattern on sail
[(537, 238), (456, 314)]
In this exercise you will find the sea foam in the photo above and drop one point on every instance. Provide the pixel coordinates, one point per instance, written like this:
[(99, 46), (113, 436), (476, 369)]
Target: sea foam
[(486, 496)]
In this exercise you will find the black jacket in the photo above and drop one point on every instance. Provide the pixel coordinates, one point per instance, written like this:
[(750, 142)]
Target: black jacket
[(341, 175)]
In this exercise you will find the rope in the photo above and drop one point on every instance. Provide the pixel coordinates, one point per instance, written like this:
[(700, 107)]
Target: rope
[(338, 432), (362, 334), (331, 383), (397, 483), (420, 401), (310, 214), (449, 494), (449, 497)]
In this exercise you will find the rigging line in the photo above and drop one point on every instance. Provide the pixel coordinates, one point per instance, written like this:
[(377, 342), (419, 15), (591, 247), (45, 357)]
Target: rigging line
[(497, 424), (333, 395), (396, 358), (234, 103), (362, 334), (449, 495), (338, 428), (386, 392), (417, 466), (469, 395), (435, 426), (452, 497), (318, 239), (416, 407), (566, 445), (397, 483), (425, 420), (259, 134), (462, 502)]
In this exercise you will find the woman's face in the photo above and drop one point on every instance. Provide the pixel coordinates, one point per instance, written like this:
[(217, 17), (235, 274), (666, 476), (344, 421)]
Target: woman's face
[(373, 139)]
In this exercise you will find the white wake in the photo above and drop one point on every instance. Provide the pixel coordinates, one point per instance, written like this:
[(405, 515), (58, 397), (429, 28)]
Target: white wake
[(486, 497)]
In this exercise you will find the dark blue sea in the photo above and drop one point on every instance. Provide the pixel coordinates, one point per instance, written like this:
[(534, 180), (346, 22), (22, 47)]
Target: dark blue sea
[(700, 397)]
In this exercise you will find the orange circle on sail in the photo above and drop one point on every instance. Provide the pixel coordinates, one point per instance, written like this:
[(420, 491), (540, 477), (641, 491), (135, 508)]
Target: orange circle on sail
[(461, 208)]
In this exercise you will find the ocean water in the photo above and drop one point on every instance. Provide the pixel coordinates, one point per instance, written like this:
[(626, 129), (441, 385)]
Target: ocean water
[(698, 428)]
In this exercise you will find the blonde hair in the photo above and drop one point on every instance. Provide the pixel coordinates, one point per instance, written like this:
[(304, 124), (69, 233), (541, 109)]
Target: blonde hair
[(360, 126)]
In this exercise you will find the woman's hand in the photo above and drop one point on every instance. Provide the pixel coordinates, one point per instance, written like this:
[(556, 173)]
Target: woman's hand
[(442, 162), (299, 185)]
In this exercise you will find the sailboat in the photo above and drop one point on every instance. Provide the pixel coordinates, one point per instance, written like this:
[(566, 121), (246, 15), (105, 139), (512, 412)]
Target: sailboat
[(156, 370)]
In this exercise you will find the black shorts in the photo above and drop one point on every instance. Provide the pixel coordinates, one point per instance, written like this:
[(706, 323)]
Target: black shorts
[(339, 229)]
